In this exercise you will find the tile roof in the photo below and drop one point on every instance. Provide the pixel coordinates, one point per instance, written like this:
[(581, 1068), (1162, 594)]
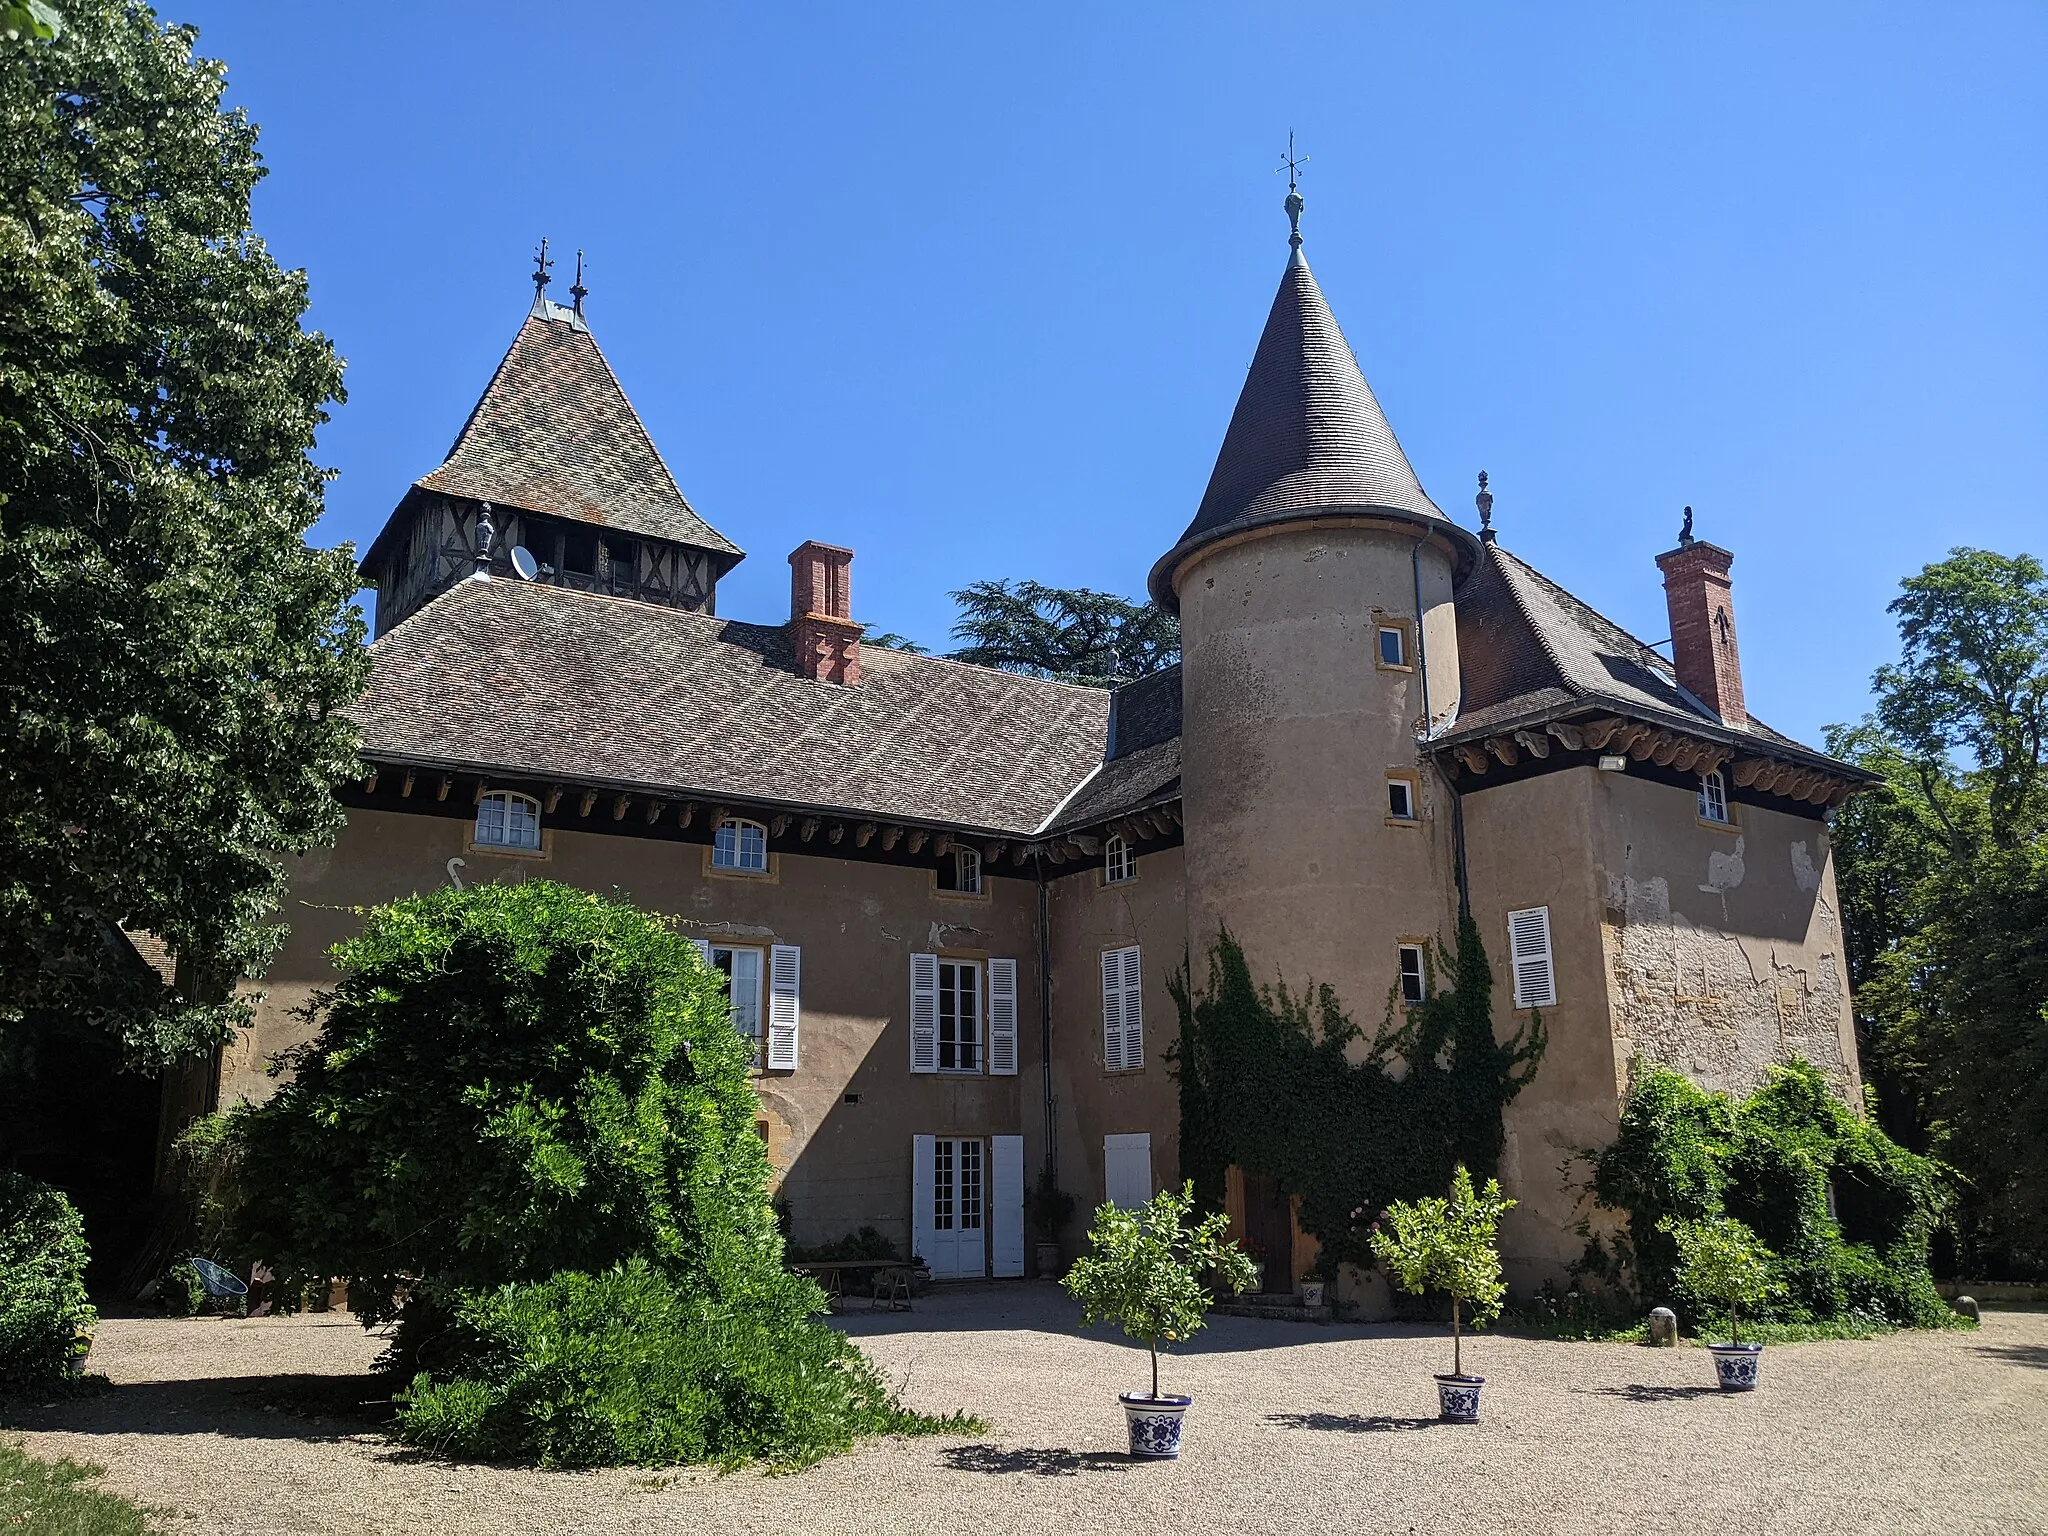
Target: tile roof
[(1525, 646), (1307, 435), (537, 681), (1144, 764), (554, 433)]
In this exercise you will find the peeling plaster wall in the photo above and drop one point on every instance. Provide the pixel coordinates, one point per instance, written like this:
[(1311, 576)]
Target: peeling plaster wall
[(1724, 946)]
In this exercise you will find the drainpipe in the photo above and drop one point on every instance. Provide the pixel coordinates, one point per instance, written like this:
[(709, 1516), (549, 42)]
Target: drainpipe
[(1421, 644), (1052, 1159)]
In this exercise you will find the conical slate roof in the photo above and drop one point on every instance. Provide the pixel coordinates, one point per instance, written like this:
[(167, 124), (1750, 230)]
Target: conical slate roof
[(1307, 436), (554, 433)]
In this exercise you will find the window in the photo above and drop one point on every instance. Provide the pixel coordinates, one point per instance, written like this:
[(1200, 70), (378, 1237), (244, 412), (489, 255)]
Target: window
[(1118, 862), (741, 845), (961, 872), (1414, 980), (1123, 1011), (742, 968), (1713, 797), (1393, 643), (505, 820), (579, 550), (1401, 798), (622, 560), (1529, 953), (956, 1025)]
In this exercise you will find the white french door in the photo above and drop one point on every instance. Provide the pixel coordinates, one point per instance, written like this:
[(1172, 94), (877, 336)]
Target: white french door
[(949, 1221)]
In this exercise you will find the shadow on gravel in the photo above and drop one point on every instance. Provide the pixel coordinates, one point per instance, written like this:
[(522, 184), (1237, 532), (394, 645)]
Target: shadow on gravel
[(1636, 1392), (281, 1407), (2035, 1355), (1349, 1423), (1059, 1462)]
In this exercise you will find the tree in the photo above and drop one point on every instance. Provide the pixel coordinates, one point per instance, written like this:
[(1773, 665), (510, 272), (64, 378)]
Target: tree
[(1944, 871), (173, 657), (1721, 1260), (1144, 1268), (1072, 634), (1450, 1245)]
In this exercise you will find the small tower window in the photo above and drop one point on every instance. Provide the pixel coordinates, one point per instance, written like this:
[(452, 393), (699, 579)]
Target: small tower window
[(961, 872), (1401, 799), (1414, 981), (741, 845), (506, 820), (1393, 643), (1713, 797), (1118, 862)]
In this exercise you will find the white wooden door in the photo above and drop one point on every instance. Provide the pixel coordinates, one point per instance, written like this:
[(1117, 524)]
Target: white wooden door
[(1127, 1169), (951, 1223), (1006, 1206)]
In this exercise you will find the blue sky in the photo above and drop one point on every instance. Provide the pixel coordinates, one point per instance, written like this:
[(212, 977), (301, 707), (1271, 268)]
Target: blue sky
[(972, 288)]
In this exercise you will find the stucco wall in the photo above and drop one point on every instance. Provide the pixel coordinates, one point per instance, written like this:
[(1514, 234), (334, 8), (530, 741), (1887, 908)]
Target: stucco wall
[(1088, 917), (1291, 730), (842, 1165)]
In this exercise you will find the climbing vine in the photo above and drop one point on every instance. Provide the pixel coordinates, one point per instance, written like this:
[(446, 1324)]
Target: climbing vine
[(1845, 1210), (1275, 1084)]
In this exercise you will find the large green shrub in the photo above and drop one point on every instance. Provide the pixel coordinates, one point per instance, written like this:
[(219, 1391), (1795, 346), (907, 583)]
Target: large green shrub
[(527, 1131), (1268, 1082), (42, 1285), (1770, 1161), (628, 1367)]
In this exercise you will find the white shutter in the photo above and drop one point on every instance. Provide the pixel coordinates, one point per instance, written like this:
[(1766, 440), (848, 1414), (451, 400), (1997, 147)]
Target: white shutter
[(1127, 1169), (924, 1013), (1112, 1010), (1134, 1012), (1006, 1206), (1529, 952), (921, 1180), (1002, 1019), (703, 949), (785, 974)]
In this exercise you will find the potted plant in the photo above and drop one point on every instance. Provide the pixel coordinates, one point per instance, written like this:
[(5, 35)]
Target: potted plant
[(1256, 1253), (1051, 1209), (1721, 1258), (81, 1346), (1449, 1245), (1143, 1271), (1311, 1288)]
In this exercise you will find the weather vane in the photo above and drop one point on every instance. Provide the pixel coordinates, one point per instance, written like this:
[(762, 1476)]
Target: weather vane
[(541, 263), (1292, 163)]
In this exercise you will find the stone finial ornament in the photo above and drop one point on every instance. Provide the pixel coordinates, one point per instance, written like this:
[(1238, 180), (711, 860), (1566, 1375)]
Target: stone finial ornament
[(1685, 532), (1484, 502)]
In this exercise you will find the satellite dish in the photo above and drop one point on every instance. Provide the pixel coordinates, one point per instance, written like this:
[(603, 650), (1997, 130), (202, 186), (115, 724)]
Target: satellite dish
[(524, 563)]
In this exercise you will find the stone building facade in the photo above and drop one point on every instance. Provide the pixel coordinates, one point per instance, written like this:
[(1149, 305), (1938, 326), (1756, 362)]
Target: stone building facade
[(949, 899)]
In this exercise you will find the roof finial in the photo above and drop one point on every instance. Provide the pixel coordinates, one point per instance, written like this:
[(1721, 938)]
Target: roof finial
[(541, 263), (579, 292), (1484, 502), (1292, 164), (1685, 533)]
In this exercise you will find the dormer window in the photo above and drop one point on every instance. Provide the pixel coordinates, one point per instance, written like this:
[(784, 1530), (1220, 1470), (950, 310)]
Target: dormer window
[(961, 872), (740, 845), (1713, 797), (1118, 862), (506, 820)]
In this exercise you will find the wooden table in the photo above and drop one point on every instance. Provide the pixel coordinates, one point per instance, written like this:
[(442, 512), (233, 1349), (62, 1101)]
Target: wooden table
[(888, 1281)]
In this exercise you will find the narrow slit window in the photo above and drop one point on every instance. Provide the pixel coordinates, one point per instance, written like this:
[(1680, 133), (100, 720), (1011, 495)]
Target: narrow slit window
[(1118, 862), (740, 845), (1713, 797), (1401, 799), (506, 820), (1414, 980)]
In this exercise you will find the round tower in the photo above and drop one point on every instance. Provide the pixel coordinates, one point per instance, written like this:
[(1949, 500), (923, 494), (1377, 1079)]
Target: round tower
[(1319, 647)]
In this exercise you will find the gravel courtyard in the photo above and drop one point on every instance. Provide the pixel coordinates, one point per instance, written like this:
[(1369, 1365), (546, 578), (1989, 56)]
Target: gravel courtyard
[(244, 1427)]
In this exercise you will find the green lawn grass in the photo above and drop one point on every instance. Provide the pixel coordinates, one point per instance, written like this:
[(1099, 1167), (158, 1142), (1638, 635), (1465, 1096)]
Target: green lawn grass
[(44, 1498)]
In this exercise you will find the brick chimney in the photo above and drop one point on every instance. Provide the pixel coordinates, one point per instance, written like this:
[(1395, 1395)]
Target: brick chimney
[(821, 626), (1703, 649)]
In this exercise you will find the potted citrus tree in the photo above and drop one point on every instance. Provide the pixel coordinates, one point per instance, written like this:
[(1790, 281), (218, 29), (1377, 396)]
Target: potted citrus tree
[(1722, 1259), (1450, 1245), (1145, 1270)]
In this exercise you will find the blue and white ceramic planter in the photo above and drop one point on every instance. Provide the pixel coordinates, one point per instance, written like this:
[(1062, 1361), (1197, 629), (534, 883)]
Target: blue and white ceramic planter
[(1736, 1365), (1154, 1423), (1457, 1398)]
